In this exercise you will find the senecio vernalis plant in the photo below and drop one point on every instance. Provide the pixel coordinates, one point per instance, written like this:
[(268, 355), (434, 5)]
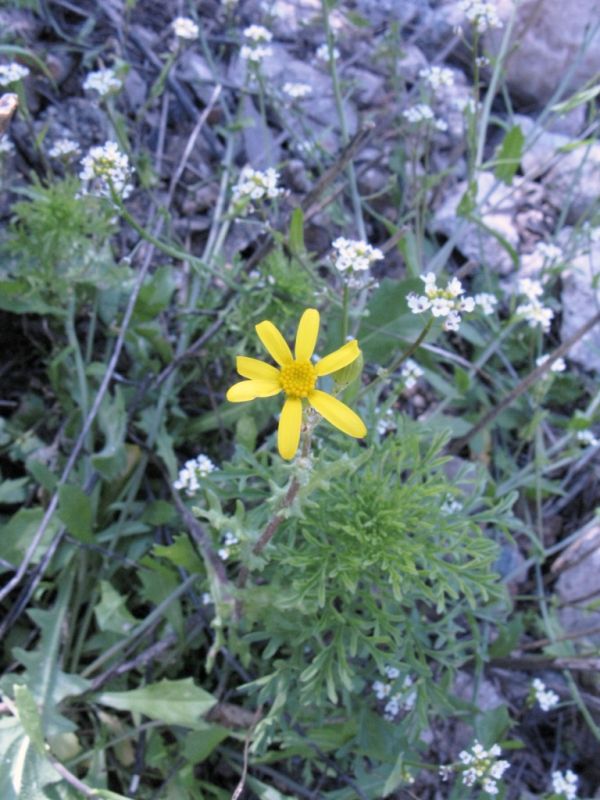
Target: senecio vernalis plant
[(297, 376)]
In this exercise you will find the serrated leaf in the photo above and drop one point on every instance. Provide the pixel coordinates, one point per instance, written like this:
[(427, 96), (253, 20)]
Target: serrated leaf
[(509, 155), (178, 702), (111, 612), (18, 533), (181, 553), (112, 420)]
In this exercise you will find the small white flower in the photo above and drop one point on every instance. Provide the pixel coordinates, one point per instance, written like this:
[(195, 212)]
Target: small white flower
[(381, 689), (103, 81), (322, 54), (206, 599), (297, 91), (410, 373), (531, 289), (11, 73), (546, 698), (536, 314), (480, 14), (256, 53), (191, 472), (587, 438), (451, 506), (417, 303), (565, 785), (64, 148), (386, 423), (257, 34), (6, 146), (255, 185), (392, 673), (487, 302), (106, 166), (185, 28), (355, 255), (419, 113), (437, 77), (549, 252), (557, 366)]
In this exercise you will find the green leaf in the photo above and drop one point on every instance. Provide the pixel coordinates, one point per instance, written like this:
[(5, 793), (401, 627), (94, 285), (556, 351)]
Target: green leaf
[(296, 236), (396, 777), (24, 771), (13, 490), (178, 702), (75, 511), (578, 99), (18, 532), (181, 553), (491, 726), (111, 612), (509, 155), (29, 716), (389, 324), (200, 744), (112, 419)]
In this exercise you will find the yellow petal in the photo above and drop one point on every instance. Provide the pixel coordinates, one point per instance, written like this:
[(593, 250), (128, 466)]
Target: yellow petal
[(307, 334), (249, 390), (337, 413), (290, 421), (339, 359), (274, 342), (256, 370)]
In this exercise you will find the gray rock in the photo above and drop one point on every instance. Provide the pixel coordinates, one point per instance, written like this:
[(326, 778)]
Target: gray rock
[(496, 204), (579, 582), (571, 177), (548, 46), (580, 301)]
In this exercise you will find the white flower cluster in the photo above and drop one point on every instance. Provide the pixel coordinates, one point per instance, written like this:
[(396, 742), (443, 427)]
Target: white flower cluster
[(422, 113), (548, 251), (108, 168), (446, 302), (451, 505), (185, 28), (11, 73), (437, 77), (192, 472), (587, 438), (255, 185), (355, 255), (297, 91), (546, 698), (480, 14), (256, 47), (402, 700), (487, 302), (565, 785), (103, 81), (229, 540), (322, 53), (482, 767), (534, 312), (64, 148), (410, 373), (557, 366), (386, 423), (6, 146)]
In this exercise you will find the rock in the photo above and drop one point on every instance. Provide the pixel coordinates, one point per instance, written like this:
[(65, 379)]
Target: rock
[(579, 581), (570, 177), (496, 204), (580, 301), (411, 61), (547, 40)]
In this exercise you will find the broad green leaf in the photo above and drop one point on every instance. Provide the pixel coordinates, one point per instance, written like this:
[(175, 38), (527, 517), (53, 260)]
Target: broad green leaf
[(181, 553), (200, 744), (16, 535), (178, 702), (75, 511), (509, 155), (491, 726), (23, 770), (112, 419), (13, 490), (389, 325)]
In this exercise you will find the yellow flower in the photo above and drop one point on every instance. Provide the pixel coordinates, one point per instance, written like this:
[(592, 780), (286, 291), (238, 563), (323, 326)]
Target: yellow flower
[(297, 377)]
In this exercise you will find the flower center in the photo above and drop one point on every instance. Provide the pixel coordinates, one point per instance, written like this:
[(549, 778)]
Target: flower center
[(298, 378)]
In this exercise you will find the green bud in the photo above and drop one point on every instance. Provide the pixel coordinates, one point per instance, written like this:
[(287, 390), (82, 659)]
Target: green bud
[(346, 375)]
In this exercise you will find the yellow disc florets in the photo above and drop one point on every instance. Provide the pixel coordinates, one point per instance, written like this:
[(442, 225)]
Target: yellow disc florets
[(298, 378)]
